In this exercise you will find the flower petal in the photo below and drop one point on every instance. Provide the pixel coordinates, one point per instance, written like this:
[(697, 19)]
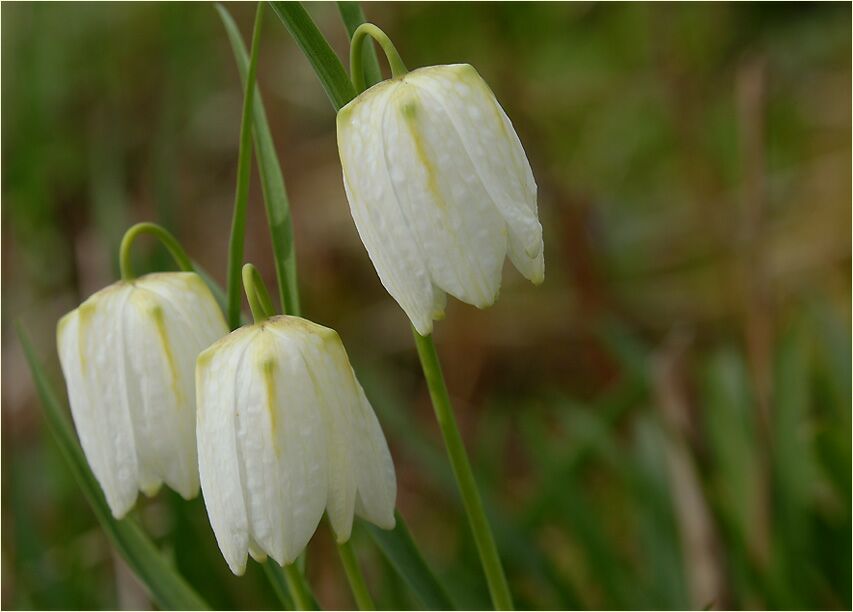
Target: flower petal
[(165, 340), (281, 444), (90, 343), (334, 393), (219, 463), (496, 152), (443, 200), (383, 229), (377, 483), (302, 460)]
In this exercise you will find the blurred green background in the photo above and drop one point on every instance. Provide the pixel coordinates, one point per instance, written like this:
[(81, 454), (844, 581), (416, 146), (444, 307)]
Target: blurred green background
[(664, 423)]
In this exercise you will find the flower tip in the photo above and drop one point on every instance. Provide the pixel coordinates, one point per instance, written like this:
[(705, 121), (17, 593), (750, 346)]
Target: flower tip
[(153, 489), (389, 523), (238, 569), (121, 511), (191, 494), (423, 327)]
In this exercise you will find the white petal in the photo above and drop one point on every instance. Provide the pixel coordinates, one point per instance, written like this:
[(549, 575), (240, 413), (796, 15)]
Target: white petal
[(102, 351), (377, 483), (281, 442), (169, 320), (219, 464), (301, 440), (496, 152), (255, 444), (383, 229), (334, 391), (90, 343), (443, 200)]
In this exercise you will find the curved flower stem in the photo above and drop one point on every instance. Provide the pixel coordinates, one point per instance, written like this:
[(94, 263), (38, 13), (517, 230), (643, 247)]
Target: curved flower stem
[(355, 578), (259, 298), (353, 16), (166, 239), (298, 589), (492, 567), (398, 68), (244, 168)]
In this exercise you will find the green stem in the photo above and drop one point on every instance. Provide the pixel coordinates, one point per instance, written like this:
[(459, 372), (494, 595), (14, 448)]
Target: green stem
[(256, 291), (398, 68), (492, 567), (298, 589), (276, 578), (167, 239), (244, 168), (353, 16), (355, 578)]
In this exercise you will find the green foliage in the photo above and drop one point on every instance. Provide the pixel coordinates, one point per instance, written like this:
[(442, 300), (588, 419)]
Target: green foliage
[(167, 588)]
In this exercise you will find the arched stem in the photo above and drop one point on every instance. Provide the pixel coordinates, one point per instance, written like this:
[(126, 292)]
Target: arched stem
[(166, 239), (398, 68), (257, 294)]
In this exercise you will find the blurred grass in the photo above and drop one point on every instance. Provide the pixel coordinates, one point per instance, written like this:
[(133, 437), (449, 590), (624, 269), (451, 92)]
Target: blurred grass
[(665, 423)]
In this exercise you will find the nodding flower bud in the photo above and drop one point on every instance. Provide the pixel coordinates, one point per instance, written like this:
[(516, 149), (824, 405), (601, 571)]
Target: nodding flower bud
[(285, 432), (128, 356), (440, 189)]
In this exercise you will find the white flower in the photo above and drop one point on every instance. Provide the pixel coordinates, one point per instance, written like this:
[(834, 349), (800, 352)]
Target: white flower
[(440, 189), (284, 433), (128, 355)]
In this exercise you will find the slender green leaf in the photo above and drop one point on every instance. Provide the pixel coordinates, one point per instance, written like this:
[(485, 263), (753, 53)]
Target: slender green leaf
[(168, 588), (353, 16), (326, 64), (241, 193), (402, 553), (272, 181)]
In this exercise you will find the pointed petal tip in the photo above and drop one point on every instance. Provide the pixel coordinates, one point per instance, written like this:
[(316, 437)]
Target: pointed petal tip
[(237, 568), (119, 511), (152, 490), (388, 523), (190, 493), (423, 326)]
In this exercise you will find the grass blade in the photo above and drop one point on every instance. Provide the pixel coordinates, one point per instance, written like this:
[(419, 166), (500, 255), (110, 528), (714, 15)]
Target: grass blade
[(353, 16), (402, 553), (241, 195), (168, 588), (272, 181), (326, 64)]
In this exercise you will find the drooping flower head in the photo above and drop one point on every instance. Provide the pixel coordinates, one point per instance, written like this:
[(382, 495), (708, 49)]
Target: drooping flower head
[(128, 356), (440, 189), (285, 432)]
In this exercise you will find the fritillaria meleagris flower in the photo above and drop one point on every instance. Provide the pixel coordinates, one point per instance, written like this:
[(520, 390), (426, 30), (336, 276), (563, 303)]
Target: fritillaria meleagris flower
[(285, 433), (440, 189), (128, 356)]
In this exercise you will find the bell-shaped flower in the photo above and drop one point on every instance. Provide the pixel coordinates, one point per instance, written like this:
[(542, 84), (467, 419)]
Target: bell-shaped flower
[(284, 433), (128, 356), (440, 189)]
